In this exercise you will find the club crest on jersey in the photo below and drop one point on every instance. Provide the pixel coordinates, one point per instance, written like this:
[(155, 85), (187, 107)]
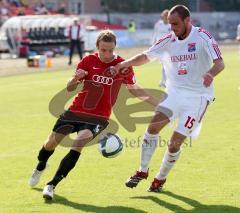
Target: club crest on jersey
[(110, 71), (182, 68), (191, 47)]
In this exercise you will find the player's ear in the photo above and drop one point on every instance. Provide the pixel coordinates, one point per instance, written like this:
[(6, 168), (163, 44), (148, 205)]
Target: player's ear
[(187, 20), (97, 45)]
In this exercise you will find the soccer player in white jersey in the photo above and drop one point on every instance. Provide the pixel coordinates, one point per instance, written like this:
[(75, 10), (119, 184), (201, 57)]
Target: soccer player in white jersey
[(238, 37), (161, 28), (238, 33), (191, 59)]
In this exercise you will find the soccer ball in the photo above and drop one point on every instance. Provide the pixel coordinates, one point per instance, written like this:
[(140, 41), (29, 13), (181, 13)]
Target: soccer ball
[(110, 145)]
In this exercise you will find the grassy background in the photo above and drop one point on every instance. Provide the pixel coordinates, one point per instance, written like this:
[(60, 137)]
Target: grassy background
[(205, 179)]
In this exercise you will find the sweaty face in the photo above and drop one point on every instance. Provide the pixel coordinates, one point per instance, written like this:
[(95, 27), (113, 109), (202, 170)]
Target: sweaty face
[(178, 26), (106, 50)]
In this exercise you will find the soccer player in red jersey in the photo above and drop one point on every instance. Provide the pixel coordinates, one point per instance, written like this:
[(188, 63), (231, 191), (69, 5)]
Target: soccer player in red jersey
[(90, 110)]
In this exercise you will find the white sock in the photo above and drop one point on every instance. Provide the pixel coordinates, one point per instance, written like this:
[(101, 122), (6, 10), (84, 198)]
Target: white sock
[(149, 145), (168, 162)]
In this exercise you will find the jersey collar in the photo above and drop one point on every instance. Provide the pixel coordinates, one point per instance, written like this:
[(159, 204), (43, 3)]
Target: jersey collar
[(187, 38)]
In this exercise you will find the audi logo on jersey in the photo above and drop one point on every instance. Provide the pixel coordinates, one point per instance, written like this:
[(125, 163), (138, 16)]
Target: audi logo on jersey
[(102, 79)]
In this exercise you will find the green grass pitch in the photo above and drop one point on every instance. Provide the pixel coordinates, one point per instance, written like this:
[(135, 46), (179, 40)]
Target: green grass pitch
[(205, 179)]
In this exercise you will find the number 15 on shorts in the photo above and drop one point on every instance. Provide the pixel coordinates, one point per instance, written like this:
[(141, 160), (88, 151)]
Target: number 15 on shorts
[(190, 122)]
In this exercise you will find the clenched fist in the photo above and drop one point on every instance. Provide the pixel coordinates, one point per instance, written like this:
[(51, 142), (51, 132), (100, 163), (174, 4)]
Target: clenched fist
[(207, 79)]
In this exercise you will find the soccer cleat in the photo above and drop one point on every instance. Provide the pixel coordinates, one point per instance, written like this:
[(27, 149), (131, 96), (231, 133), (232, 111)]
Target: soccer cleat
[(135, 179), (156, 185), (35, 177), (48, 192)]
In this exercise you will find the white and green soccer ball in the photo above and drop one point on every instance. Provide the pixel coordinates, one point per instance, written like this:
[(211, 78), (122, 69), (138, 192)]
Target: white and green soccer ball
[(110, 145)]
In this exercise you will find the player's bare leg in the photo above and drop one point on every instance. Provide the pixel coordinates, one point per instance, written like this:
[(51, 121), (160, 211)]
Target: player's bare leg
[(170, 157), (68, 162), (44, 154), (53, 141), (83, 137), (150, 142)]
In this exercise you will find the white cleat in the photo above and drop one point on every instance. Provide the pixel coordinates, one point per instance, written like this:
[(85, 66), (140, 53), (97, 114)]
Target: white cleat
[(35, 177), (48, 192)]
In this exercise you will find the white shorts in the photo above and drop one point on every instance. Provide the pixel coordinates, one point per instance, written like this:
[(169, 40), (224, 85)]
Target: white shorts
[(189, 111)]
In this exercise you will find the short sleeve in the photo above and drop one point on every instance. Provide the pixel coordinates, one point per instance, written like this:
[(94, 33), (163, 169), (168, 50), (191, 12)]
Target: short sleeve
[(156, 51), (83, 64), (210, 45)]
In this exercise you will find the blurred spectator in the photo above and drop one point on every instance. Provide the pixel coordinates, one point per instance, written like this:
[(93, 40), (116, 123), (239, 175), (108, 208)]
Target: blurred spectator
[(28, 10), (75, 33), (21, 11), (15, 3), (62, 9), (132, 26), (161, 27), (24, 36), (41, 10), (4, 12), (238, 33)]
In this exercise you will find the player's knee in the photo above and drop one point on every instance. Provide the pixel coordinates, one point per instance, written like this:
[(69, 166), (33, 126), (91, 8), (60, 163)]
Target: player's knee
[(153, 129), (176, 141), (157, 123), (174, 147), (51, 138), (51, 142)]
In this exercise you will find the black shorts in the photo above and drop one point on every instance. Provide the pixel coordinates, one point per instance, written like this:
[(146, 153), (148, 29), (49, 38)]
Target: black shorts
[(70, 122)]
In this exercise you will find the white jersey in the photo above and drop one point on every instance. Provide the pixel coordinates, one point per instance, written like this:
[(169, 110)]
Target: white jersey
[(75, 32), (186, 61), (160, 29), (238, 32)]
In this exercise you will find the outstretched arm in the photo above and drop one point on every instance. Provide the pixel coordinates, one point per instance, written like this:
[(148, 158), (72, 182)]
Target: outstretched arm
[(142, 94), (137, 60)]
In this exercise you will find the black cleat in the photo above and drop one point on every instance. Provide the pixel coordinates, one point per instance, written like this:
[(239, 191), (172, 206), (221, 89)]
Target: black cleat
[(135, 179)]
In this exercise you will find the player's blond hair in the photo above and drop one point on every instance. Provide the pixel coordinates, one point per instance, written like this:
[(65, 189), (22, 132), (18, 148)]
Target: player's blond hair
[(164, 11), (106, 36)]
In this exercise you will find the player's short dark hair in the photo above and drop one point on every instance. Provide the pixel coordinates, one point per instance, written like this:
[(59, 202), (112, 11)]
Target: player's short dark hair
[(181, 10), (106, 36)]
